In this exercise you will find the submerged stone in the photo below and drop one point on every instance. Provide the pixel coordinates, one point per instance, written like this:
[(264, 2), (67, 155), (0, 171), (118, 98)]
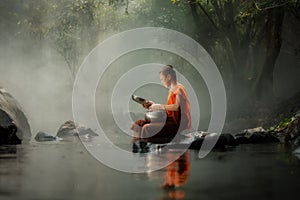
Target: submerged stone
[(70, 128), (42, 137)]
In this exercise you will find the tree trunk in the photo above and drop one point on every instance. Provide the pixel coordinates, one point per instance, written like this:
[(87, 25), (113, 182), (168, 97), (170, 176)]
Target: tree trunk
[(197, 20), (275, 17)]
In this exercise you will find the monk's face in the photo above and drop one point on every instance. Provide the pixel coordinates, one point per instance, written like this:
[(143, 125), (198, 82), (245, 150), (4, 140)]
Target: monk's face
[(165, 80)]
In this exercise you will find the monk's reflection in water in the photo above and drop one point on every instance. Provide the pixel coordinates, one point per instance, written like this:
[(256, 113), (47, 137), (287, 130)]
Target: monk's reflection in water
[(177, 174)]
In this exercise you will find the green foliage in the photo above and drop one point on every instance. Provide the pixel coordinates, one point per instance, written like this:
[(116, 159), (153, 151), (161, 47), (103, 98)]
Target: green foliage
[(283, 125), (175, 1), (285, 122), (161, 14)]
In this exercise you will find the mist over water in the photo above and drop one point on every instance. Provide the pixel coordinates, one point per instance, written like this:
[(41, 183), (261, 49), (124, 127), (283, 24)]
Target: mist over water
[(38, 77), (40, 81)]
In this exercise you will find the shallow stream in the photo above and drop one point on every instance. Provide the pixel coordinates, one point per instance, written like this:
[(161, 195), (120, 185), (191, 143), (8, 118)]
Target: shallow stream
[(66, 170)]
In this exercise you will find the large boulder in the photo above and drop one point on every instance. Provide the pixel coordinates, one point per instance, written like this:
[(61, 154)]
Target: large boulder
[(67, 132), (14, 126)]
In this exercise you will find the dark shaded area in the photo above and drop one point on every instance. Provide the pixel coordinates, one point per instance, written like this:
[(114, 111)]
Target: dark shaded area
[(8, 135), (262, 114)]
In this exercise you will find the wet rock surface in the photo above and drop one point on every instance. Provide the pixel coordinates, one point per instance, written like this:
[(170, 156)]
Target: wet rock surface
[(14, 127), (67, 130), (255, 135), (42, 137), (70, 128), (219, 141)]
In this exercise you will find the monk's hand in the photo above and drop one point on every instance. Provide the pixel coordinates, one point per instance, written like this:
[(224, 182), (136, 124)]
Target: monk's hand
[(148, 104), (155, 107)]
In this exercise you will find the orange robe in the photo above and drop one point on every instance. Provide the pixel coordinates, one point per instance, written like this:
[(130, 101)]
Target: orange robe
[(183, 116)]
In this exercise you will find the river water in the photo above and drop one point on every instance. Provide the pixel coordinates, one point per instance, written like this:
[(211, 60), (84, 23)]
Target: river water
[(66, 170)]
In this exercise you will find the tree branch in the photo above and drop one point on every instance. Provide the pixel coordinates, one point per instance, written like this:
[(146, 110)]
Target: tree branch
[(208, 16), (270, 7)]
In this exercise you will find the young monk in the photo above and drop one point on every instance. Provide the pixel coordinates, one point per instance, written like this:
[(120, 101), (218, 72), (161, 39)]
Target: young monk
[(177, 110)]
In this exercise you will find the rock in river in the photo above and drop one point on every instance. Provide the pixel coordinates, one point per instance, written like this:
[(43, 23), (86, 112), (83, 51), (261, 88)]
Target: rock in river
[(70, 128), (14, 127)]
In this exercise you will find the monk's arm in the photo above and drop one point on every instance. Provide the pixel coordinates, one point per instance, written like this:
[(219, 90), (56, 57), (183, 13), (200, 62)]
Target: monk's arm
[(173, 107)]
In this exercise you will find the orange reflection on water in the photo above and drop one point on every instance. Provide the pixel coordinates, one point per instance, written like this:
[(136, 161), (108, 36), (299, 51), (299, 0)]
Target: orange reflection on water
[(177, 172)]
